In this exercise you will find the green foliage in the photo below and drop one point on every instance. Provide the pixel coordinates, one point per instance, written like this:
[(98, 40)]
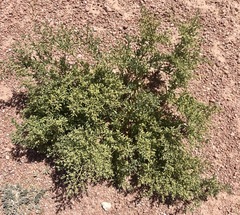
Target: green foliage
[(17, 201), (125, 115)]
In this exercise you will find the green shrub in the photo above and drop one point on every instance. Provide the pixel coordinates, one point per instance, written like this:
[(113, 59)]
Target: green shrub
[(123, 115)]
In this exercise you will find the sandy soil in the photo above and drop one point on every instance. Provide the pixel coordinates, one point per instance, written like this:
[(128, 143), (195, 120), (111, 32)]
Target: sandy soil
[(217, 82)]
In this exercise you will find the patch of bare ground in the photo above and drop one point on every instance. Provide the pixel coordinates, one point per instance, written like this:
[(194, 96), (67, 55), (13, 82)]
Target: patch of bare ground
[(217, 82)]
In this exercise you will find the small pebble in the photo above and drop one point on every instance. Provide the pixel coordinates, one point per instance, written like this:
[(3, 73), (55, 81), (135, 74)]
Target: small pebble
[(106, 206)]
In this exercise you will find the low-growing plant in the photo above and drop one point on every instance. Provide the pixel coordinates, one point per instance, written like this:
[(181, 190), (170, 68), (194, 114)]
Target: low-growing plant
[(17, 201), (123, 115)]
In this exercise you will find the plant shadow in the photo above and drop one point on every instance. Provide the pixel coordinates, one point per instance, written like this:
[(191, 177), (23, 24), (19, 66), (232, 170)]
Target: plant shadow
[(59, 187), (18, 101)]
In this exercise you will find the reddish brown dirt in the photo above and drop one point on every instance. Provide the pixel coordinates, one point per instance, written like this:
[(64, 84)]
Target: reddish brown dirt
[(217, 82)]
